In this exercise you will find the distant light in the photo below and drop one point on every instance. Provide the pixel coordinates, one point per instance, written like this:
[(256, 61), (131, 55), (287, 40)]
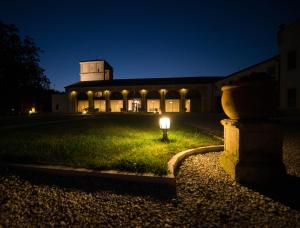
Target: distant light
[(163, 91), (183, 91), (124, 92), (84, 112), (143, 91), (98, 94), (32, 110)]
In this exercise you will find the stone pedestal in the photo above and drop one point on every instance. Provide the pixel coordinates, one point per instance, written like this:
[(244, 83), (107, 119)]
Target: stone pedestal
[(253, 151)]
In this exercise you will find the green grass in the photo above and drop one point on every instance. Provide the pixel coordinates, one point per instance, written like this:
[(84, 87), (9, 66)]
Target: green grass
[(123, 142)]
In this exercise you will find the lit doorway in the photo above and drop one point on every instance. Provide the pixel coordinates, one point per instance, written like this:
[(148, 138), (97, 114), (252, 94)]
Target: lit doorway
[(134, 105)]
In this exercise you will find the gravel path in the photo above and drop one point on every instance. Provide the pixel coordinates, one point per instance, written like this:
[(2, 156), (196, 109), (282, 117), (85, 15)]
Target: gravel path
[(205, 197)]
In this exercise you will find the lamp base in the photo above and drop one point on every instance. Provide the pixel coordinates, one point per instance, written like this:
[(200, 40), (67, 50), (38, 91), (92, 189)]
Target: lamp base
[(165, 136)]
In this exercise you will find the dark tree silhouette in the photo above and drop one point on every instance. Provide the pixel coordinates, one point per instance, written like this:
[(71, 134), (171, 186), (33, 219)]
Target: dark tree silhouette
[(22, 81)]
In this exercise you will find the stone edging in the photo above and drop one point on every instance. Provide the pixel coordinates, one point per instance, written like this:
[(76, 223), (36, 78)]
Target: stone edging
[(169, 179), (177, 159)]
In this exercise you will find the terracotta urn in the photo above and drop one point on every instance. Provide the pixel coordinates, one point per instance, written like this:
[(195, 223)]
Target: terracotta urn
[(249, 100)]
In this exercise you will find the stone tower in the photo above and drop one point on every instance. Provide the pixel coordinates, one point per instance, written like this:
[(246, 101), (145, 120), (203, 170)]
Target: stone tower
[(95, 70)]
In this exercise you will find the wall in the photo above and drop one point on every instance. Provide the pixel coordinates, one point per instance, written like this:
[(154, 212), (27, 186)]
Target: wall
[(92, 70), (288, 41), (60, 103)]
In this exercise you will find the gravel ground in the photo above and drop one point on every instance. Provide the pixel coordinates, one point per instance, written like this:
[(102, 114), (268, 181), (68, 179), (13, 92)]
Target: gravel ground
[(205, 197)]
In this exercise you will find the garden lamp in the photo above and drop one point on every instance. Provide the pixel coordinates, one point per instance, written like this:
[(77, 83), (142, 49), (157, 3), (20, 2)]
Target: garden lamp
[(164, 124)]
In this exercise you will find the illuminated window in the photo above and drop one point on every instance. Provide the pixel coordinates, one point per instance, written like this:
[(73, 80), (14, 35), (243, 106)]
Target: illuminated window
[(153, 105), (100, 105), (82, 104), (116, 105), (172, 105), (187, 105)]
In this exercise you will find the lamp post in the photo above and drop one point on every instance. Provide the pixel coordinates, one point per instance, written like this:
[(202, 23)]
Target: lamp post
[(164, 124)]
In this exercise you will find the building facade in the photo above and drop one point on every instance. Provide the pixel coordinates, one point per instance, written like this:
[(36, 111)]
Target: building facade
[(96, 92), (289, 49)]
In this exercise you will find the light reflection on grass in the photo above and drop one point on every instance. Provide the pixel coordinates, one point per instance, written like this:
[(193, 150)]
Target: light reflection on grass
[(123, 142)]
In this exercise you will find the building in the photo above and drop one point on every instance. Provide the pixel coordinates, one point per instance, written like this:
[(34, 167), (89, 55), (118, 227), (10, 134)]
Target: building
[(97, 91), (289, 49)]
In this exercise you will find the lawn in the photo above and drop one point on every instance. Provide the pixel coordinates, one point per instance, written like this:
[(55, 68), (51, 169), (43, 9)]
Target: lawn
[(122, 142)]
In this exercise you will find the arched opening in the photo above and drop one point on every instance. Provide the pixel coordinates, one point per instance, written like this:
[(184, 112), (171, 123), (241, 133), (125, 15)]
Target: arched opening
[(195, 99), (82, 101), (134, 101), (172, 101), (153, 101), (99, 101), (116, 101)]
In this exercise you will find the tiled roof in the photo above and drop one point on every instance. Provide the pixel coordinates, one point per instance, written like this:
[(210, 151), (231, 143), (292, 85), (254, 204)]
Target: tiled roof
[(147, 81)]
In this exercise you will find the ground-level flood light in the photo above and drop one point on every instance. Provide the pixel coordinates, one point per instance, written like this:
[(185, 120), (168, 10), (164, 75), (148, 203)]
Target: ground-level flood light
[(32, 111), (164, 124)]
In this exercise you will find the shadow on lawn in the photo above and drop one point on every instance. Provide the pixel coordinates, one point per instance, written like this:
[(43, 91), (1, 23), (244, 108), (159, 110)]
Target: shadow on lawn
[(285, 191), (93, 184)]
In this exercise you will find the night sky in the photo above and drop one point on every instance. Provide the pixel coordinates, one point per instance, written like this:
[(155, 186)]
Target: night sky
[(150, 38)]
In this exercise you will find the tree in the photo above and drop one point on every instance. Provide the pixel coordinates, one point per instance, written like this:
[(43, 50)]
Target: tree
[(22, 80)]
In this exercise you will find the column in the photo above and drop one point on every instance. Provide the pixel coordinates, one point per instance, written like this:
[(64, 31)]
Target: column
[(182, 101), (252, 151), (107, 101), (163, 100), (125, 100), (73, 101), (91, 100), (143, 93)]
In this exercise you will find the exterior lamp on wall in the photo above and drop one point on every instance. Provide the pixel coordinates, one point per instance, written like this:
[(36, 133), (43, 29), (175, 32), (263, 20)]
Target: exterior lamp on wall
[(164, 124)]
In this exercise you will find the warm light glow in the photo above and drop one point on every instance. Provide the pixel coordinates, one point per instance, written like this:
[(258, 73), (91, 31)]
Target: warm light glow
[(143, 91), (89, 92), (163, 91), (98, 94), (73, 93), (124, 92), (84, 112), (183, 91), (164, 123), (32, 110), (106, 92)]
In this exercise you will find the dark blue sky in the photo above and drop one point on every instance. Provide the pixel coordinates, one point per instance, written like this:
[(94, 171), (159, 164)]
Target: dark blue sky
[(150, 38)]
